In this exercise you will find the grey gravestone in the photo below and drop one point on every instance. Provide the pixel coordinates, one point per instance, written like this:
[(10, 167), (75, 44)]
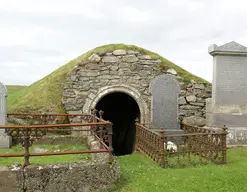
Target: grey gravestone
[(229, 89), (5, 141), (40, 150), (165, 92)]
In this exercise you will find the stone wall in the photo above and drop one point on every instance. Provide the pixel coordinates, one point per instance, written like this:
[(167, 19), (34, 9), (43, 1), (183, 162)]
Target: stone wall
[(130, 72), (192, 103), (119, 70), (97, 174), (60, 139), (81, 177)]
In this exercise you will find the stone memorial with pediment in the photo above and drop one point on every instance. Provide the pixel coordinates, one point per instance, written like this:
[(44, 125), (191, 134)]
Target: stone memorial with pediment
[(5, 140), (229, 91), (165, 91)]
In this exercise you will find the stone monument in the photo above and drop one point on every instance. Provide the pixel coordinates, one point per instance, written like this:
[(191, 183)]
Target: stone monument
[(229, 91), (5, 140), (165, 91)]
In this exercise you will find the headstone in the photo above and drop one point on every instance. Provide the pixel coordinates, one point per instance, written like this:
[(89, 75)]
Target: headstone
[(5, 141), (229, 90), (40, 150), (165, 94)]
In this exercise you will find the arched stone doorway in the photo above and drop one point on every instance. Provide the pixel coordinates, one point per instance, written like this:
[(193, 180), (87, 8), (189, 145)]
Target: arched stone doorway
[(121, 110), (124, 98)]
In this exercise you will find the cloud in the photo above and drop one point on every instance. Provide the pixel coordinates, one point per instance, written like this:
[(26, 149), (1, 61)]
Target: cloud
[(12, 36), (85, 8), (37, 37)]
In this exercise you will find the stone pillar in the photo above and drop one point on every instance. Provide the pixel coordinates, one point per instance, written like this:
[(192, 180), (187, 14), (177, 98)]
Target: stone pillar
[(229, 91), (5, 141)]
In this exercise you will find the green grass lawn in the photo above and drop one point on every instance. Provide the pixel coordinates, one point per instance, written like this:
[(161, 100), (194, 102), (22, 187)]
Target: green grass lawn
[(141, 174), (14, 88), (45, 159)]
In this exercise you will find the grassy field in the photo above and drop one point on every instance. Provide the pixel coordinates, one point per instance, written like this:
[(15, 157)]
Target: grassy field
[(45, 95), (14, 88), (140, 174), (45, 159)]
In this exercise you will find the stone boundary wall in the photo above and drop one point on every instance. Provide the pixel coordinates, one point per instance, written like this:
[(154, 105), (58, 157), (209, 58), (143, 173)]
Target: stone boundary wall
[(80, 177), (94, 175), (90, 141), (60, 139)]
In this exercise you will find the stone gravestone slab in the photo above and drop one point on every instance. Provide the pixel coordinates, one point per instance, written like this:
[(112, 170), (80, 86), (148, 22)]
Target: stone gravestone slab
[(5, 141), (165, 92), (229, 90)]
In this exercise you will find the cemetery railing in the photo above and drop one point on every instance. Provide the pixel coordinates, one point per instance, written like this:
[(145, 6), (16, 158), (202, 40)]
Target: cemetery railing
[(194, 147), (150, 143), (59, 118), (50, 118), (27, 134), (212, 141), (195, 129)]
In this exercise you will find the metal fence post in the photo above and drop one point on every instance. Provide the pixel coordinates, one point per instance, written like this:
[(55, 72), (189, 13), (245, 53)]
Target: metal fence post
[(94, 114), (223, 144), (162, 148), (109, 134), (137, 134), (45, 123), (101, 114), (94, 119), (26, 147)]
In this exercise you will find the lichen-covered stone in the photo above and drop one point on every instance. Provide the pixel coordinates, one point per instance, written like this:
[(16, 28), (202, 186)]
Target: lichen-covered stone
[(84, 176), (148, 57), (109, 59), (189, 107), (172, 71), (194, 120), (199, 86), (11, 180), (197, 103), (119, 52), (191, 98), (94, 58), (130, 58), (182, 101), (131, 52)]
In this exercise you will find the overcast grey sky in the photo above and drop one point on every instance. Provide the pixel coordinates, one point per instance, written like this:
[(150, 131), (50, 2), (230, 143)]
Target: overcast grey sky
[(37, 37)]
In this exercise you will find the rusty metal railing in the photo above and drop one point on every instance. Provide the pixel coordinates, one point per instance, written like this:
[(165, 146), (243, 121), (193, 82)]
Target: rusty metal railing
[(46, 118), (149, 143), (27, 134), (195, 146)]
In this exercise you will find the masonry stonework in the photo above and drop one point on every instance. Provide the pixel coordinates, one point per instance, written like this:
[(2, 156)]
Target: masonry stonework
[(130, 72), (81, 177)]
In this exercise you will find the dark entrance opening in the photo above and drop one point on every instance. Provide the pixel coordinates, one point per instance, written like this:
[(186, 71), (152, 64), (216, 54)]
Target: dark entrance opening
[(121, 110)]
